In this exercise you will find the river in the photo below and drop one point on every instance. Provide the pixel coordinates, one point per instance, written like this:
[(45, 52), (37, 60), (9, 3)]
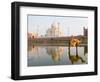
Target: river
[(56, 55)]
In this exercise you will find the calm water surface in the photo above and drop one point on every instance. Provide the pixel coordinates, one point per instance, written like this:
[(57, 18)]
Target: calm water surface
[(56, 55)]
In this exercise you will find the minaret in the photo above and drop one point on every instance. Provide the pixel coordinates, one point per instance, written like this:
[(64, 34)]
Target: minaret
[(37, 30), (68, 31), (58, 29)]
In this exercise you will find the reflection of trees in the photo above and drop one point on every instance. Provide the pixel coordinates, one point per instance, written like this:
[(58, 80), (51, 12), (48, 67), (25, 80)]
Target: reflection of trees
[(55, 52), (75, 58)]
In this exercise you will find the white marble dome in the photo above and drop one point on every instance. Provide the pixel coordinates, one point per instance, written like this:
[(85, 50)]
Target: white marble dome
[(55, 24)]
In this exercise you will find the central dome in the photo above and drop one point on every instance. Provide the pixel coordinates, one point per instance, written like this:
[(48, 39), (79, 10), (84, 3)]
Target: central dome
[(55, 24)]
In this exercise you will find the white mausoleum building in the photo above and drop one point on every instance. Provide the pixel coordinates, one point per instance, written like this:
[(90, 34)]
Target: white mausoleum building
[(54, 31)]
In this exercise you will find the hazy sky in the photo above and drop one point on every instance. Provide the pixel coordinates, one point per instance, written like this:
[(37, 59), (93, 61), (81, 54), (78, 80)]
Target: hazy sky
[(68, 25)]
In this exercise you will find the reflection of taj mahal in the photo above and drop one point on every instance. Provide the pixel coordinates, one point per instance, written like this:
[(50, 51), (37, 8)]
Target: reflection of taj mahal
[(54, 31), (55, 52)]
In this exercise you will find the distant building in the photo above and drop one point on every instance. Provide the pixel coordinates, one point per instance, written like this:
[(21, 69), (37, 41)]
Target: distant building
[(32, 35), (54, 31), (85, 31)]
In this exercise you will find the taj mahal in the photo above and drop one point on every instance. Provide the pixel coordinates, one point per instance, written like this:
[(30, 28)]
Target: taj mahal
[(54, 31)]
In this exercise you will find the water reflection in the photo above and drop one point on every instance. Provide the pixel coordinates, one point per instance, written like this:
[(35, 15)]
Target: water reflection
[(85, 50), (55, 52), (32, 49), (56, 55), (76, 57)]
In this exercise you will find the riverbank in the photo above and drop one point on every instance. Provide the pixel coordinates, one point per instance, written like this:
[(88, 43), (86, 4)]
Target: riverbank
[(37, 44)]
